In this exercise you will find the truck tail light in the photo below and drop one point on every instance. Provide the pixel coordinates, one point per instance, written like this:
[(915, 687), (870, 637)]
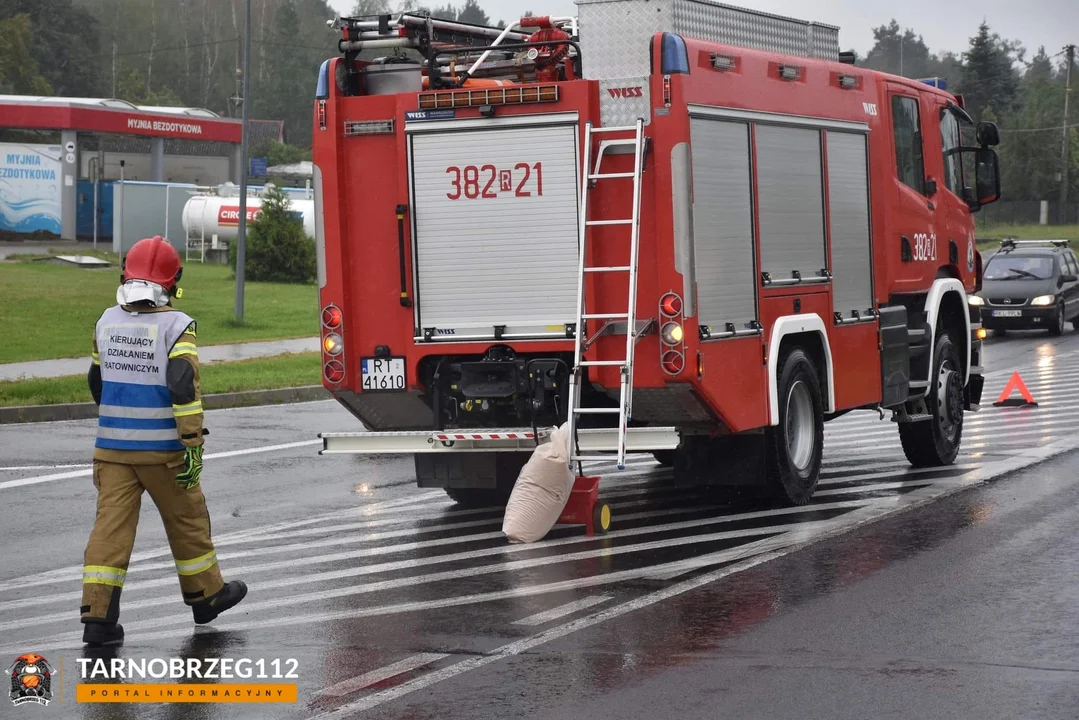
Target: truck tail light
[(331, 317), (671, 305), (673, 362), (672, 333), (672, 347), (334, 371), (333, 344)]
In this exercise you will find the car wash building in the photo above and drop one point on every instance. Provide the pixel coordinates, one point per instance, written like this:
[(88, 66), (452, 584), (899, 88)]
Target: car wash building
[(43, 182)]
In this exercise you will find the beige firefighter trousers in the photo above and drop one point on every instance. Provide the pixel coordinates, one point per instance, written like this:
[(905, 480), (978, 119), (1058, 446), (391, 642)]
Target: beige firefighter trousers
[(187, 524)]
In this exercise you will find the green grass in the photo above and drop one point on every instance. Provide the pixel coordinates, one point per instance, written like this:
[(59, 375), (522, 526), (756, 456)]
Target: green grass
[(49, 311), (270, 373), (990, 235)]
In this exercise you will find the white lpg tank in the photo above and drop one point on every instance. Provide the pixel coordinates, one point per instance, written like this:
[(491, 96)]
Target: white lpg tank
[(209, 215)]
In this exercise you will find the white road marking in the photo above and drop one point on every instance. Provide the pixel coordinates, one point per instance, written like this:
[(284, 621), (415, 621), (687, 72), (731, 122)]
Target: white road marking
[(74, 572), (22, 482), (72, 639), (542, 618), (325, 576), (383, 673), (20, 468)]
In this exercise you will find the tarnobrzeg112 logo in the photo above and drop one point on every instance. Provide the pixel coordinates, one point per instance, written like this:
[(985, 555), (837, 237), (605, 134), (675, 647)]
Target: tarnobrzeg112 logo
[(31, 680)]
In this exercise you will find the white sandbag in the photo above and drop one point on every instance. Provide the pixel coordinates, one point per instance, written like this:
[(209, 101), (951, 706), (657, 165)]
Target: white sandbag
[(541, 492)]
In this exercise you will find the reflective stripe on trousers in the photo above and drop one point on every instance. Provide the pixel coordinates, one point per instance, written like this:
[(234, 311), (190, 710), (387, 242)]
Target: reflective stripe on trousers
[(103, 575), (197, 565)]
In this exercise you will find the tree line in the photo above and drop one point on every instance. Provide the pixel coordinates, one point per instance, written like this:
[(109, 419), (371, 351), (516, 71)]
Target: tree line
[(1024, 97), (187, 52)]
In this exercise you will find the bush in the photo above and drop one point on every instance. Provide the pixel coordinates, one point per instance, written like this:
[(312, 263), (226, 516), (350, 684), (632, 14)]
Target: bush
[(277, 248)]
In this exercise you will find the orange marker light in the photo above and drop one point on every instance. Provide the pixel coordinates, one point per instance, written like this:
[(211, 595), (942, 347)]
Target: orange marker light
[(672, 333), (332, 344)]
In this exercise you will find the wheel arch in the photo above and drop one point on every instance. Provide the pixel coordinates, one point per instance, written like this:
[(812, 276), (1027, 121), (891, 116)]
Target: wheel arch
[(947, 300), (807, 331)]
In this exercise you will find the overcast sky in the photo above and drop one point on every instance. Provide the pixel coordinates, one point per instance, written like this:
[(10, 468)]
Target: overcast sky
[(944, 24)]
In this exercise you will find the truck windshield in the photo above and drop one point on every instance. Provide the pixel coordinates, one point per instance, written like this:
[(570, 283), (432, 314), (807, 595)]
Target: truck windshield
[(1012, 267)]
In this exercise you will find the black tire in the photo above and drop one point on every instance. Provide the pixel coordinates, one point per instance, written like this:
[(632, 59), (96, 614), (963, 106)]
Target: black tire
[(1057, 328), (664, 457), (794, 447), (935, 442)]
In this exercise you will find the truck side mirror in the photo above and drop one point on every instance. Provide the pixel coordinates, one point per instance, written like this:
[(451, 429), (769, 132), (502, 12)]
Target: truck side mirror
[(987, 175), (1064, 279), (988, 134)]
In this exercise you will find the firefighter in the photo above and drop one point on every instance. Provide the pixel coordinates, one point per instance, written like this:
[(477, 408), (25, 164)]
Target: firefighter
[(144, 376)]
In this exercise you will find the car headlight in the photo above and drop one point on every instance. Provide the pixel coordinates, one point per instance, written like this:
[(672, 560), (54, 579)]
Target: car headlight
[(1043, 300), (975, 300)]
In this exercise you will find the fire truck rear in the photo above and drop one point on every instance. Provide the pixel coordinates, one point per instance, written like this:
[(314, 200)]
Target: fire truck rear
[(644, 228)]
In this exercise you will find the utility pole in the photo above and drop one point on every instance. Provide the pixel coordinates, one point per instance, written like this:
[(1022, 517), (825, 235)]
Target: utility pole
[(1063, 214), (241, 230)]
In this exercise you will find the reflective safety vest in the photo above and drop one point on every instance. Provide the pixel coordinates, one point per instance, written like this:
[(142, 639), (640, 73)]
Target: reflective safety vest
[(136, 406)]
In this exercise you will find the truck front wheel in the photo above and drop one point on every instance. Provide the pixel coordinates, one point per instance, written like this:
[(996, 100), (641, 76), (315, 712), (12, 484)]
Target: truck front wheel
[(933, 442), (794, 447)]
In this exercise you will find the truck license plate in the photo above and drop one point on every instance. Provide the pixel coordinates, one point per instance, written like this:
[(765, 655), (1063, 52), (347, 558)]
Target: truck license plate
[(1007, 313), (383, 374)]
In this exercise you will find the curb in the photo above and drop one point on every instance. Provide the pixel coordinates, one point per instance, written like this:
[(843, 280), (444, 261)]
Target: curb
[(85, 411)]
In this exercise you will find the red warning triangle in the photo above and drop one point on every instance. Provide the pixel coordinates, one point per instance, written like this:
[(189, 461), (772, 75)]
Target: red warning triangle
[(1015, 383)]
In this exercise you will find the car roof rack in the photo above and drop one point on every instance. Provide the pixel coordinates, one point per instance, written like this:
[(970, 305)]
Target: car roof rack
[(1012, 243)]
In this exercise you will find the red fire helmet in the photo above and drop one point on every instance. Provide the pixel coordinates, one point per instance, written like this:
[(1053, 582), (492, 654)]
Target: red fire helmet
[(154, 260)]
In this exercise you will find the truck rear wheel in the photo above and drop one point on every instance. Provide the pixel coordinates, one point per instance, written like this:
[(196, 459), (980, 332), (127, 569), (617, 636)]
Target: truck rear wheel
[(933, 442), (794, 447)]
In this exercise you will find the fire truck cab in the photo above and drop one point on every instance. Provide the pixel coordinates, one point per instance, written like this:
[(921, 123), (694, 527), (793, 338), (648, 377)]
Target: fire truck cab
[(678, 226)]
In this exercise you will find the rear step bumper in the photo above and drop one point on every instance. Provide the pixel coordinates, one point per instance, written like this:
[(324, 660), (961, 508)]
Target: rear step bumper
[(590, 440)]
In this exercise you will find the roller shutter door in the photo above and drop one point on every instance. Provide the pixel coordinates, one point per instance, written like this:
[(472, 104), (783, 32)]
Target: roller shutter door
[(848, 201), (495, 213), (791, 201), (723, 224)]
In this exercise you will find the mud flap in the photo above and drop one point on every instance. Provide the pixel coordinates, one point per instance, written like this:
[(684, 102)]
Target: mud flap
[(972, 393)]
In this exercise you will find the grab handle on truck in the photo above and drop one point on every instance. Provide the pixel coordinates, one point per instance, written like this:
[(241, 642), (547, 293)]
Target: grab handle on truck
[(400, 210)]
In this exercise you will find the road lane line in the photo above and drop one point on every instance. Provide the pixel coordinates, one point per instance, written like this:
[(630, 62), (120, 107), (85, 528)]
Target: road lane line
[(798, 535), (21, 482), (384, 673), (74, 572), (883, 475), (330, 575), (73, 639), (542, 618)]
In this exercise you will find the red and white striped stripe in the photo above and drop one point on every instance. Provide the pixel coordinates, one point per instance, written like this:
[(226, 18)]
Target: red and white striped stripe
[(486, 436)]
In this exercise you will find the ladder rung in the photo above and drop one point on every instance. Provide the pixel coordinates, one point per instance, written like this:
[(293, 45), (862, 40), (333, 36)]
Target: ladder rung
[(596, 411), (602, 363), (610, 268), (606, 316), (611, 176), (609, 222), (596, 458), (604, 130)]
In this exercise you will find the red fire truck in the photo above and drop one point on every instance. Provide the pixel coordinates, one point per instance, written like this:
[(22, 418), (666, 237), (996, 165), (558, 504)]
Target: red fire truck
[(678, 226)]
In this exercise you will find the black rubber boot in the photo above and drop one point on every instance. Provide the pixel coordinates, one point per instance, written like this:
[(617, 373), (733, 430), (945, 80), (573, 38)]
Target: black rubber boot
[(96, 634), (227, 597)]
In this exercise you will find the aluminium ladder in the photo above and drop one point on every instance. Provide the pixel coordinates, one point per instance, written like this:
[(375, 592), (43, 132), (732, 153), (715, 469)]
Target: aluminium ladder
[(625, 364)]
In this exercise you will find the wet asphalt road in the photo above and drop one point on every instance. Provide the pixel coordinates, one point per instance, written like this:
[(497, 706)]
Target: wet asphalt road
[(896, 593)]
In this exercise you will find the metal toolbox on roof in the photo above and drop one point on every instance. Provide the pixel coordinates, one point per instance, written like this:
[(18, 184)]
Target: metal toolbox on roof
[(615, 33)]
